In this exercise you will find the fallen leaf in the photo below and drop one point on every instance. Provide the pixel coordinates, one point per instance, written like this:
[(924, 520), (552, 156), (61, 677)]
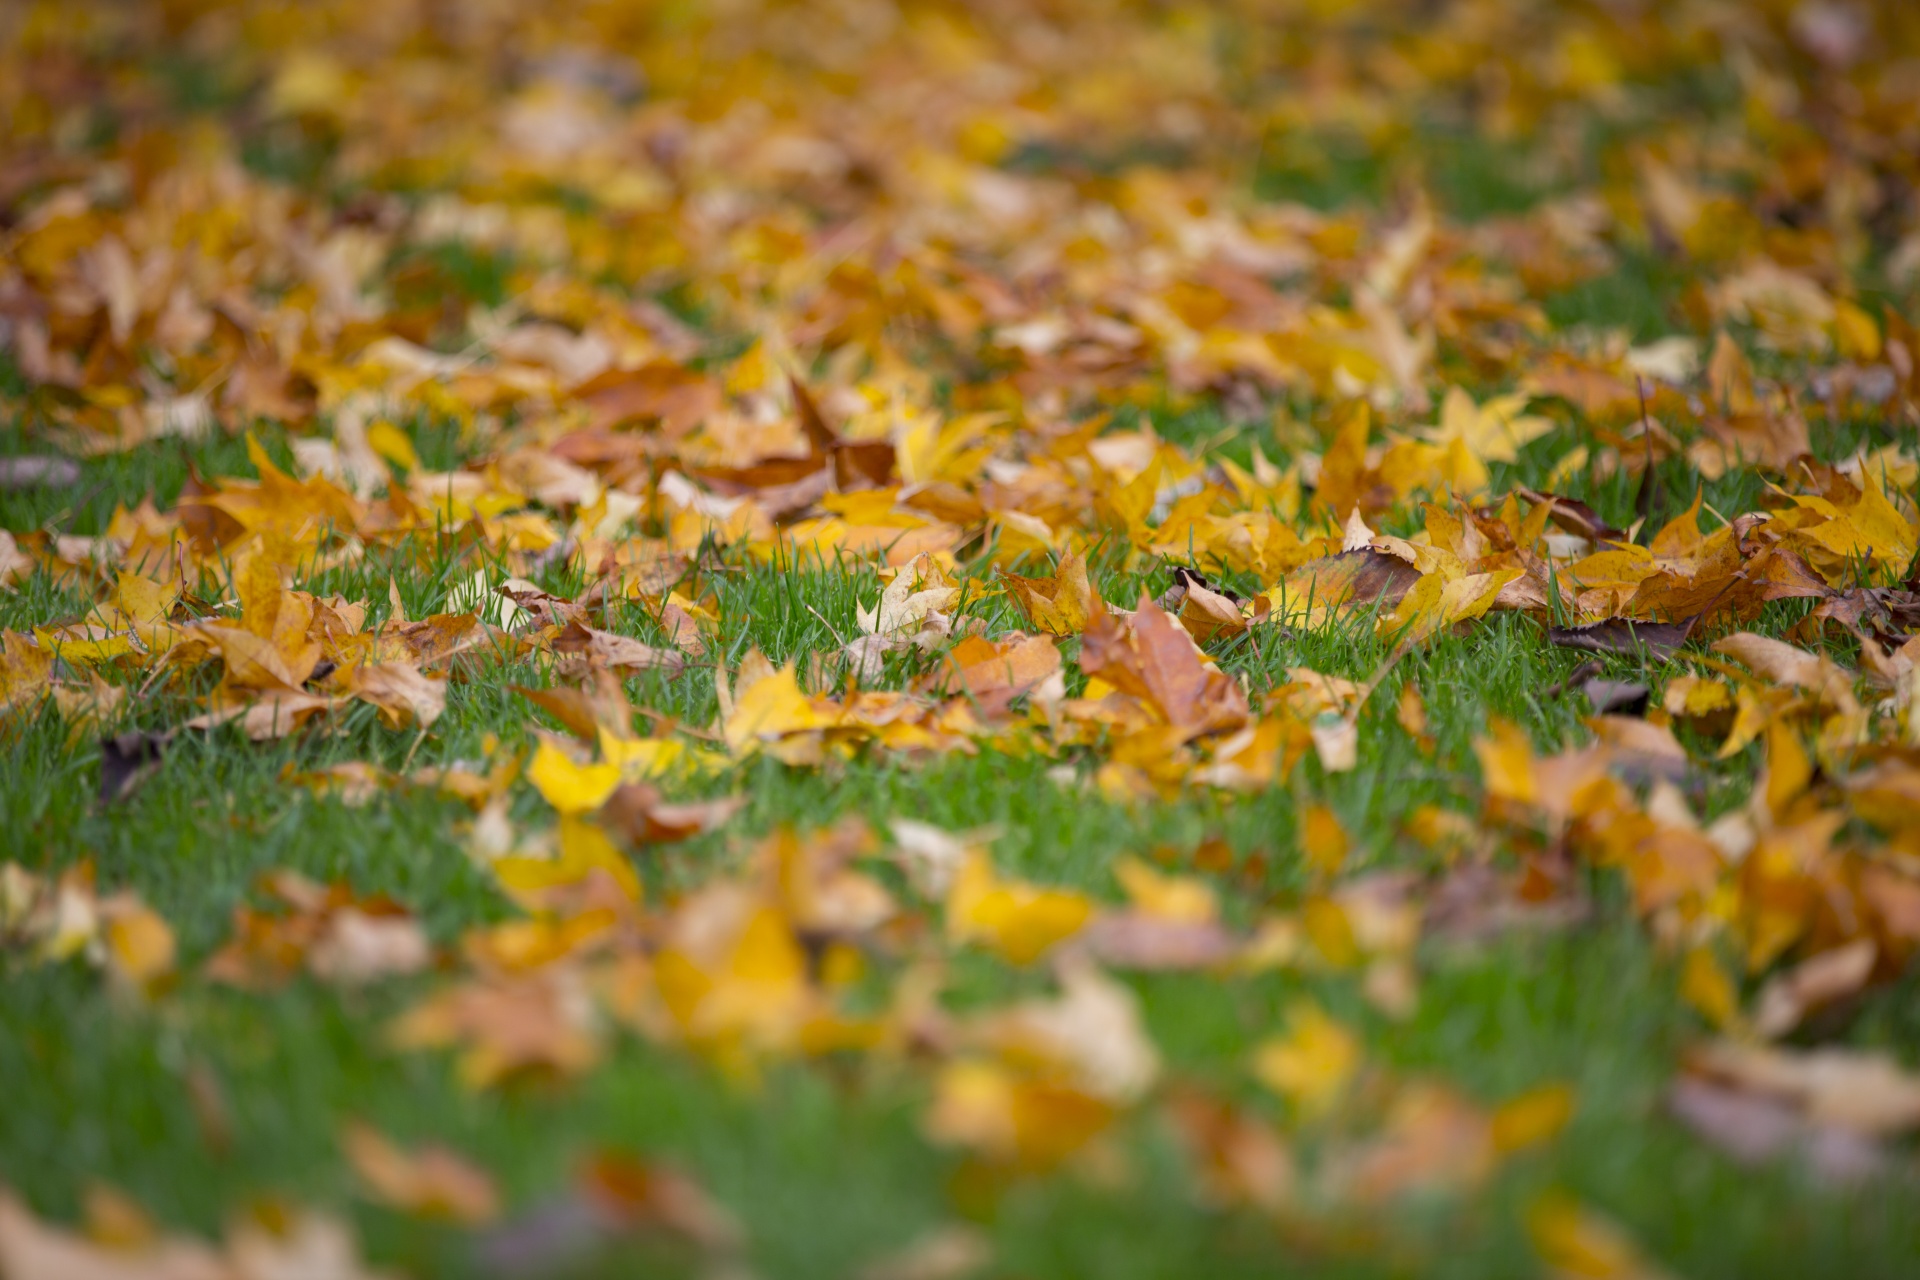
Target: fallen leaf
[(431, 1183), (1866, 1093), (403, 695), (1313, 1064), (1574, 1241), (943, 1253), (1788, 999), (569, 787), (127, 760), (1626, 637), (38, 471), (1753, 1130), (1019, 920)]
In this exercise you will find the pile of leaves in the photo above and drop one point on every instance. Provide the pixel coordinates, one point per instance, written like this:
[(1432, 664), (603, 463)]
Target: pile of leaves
[(518, 339)]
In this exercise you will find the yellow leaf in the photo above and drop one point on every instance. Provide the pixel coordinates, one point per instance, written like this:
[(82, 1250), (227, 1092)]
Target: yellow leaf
[(1031, 1124), (921, 588), (391, 443), (1329, 928), (639, 758), (571, 788), (143, 600), (769, 708), (1706, 986), (309, 82), (1789, 768), (1411, 712), (1436, 602), (1313, 1063), (1062, 604), (1343, 470), (1322, 839), (1533, 1117), (1492, 432), (585, 848), (743, 981), (1855, 332), (140, 944), (1506, 763), (1575, 1242), (1021, 921), (1178, 898)]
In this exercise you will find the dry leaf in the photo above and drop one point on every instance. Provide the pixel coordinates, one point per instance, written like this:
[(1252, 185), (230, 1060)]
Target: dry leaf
[(432, 1182)]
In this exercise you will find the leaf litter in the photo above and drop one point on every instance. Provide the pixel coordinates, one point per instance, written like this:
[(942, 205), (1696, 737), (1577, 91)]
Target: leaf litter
[(924, 363)]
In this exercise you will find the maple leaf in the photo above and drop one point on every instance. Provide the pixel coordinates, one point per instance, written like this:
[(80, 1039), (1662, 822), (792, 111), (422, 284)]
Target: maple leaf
[(433, 1182), (1032, 1124), (296, 1243), (1495, 431), (330, 932), (1349, 580), (1575, 1241), (58, 919), (916, 592), (403, 695), (1155, 660), (1091, 1036), (505, 1028), (1315, 1061), (1021, 921), (570, 787), (1062, 605), (767, 707)]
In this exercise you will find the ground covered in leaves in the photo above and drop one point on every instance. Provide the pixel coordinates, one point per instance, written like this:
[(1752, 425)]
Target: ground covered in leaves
[(927, 640)]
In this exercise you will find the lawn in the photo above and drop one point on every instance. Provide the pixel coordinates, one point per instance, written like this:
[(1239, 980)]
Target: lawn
[(942, 640)]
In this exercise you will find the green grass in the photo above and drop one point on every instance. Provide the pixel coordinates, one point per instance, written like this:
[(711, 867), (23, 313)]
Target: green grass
[(824, 1162)]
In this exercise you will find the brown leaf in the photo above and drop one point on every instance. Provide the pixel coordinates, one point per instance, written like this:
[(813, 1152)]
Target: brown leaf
[(38, 471), (403, 695), (1061, 605), (944, 1253), (1155, 661), (682, 630), (1351, 578), (637, 811), (296, 1244), (1208, 614), (1790, 998), (274, 715), (432, 1182), (678, 397), (633, 1193), (1784, 664), (1005, 669), (1137, 940), (1238, 1157), (1574, 516), (1627, 637), (1475, 903), (1890, 615), (1622, 697), (1866, 1093), (524, 1027), (598, 650), (1754, 1129), (1639, 750), (33, 1250), (577, 711), (127, 760), (855, 462), (328, 931)]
